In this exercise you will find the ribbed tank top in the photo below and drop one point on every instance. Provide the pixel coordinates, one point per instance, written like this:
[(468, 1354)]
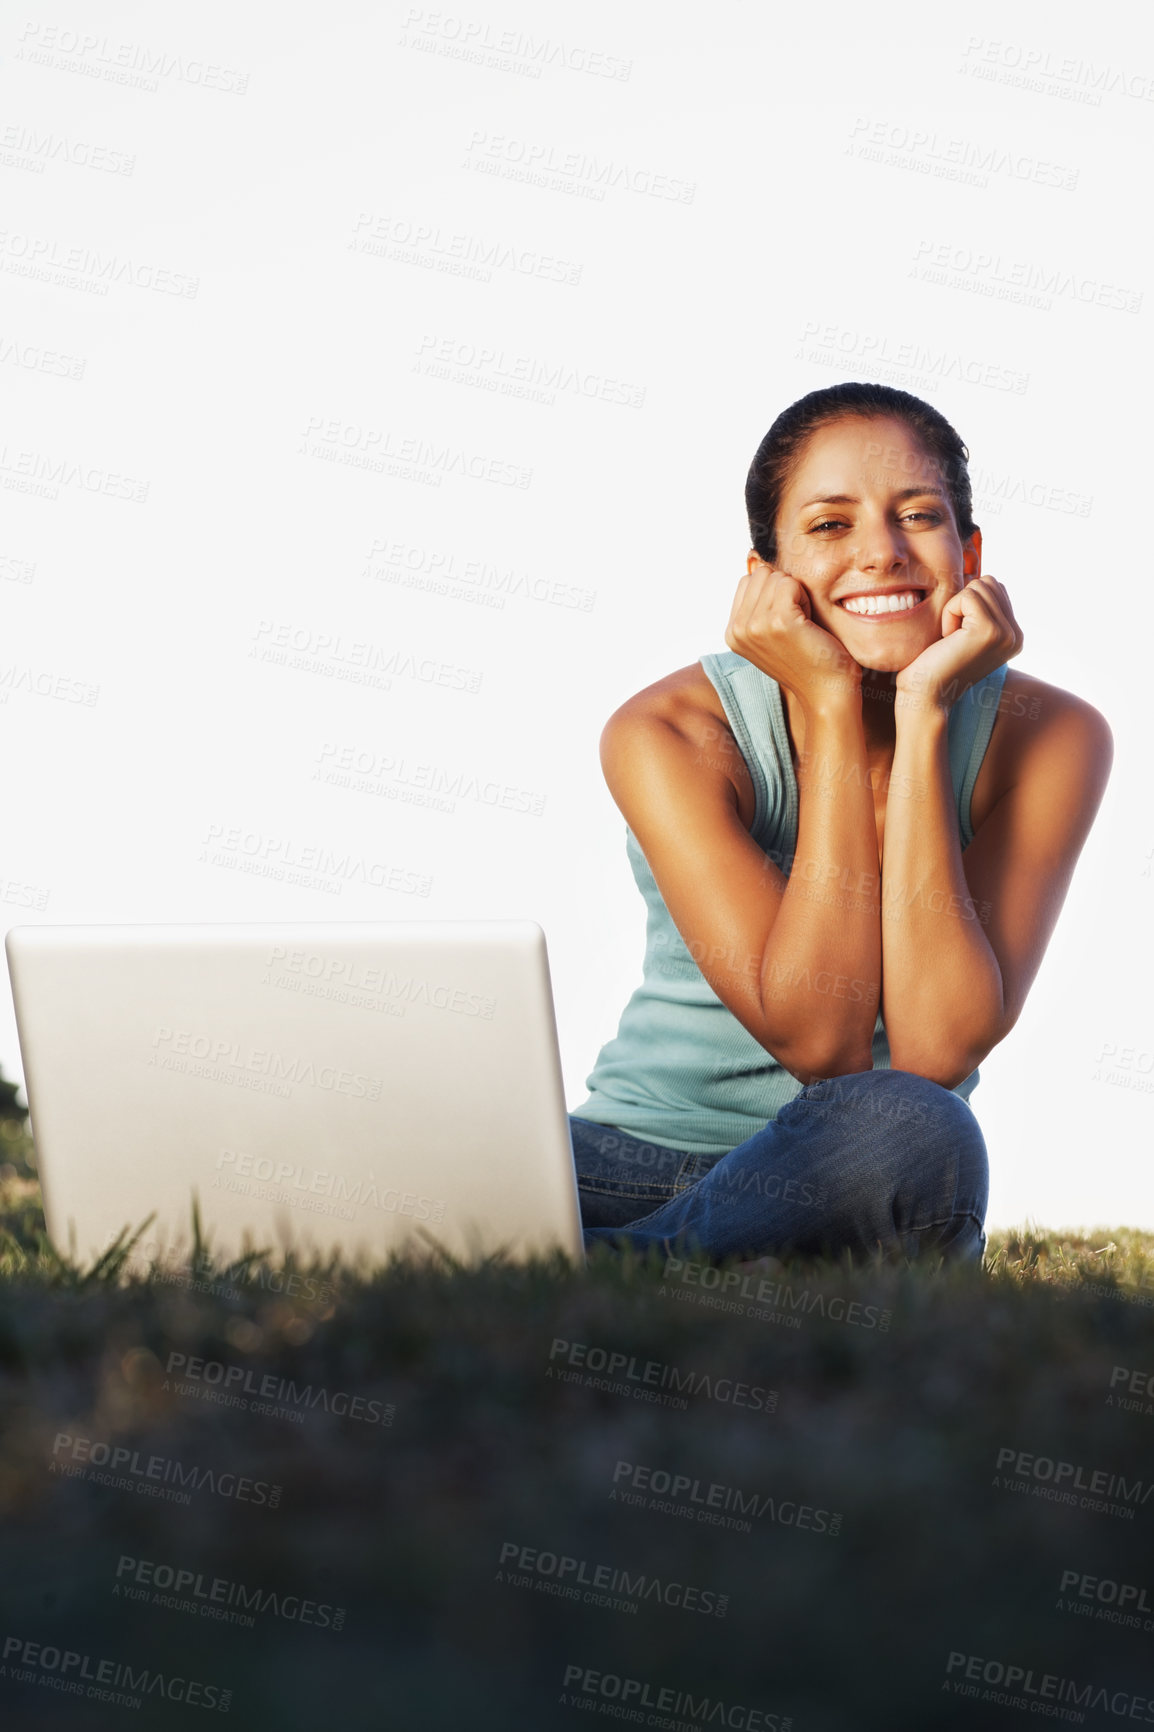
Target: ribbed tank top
[(681, 1069)]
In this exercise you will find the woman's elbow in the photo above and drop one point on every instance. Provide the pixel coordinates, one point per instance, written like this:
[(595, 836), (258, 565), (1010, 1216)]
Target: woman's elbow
[(946, 1068), (811, 1063)]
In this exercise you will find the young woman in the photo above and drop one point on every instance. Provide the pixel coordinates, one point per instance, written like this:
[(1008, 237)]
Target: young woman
[(854, 833)]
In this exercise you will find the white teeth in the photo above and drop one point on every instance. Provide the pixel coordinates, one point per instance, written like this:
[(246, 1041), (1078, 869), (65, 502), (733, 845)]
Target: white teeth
[(882, 603)]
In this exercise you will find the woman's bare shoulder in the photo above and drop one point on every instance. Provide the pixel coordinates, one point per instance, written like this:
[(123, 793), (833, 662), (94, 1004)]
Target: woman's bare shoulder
[(1039, 723), (1035, 705), (686, 699)]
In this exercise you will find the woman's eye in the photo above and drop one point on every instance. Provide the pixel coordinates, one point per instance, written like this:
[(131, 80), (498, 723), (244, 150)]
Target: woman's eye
[(831, 523)]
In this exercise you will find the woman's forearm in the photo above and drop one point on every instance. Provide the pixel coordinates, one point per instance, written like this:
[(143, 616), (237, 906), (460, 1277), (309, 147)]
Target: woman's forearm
[(821, 976), (942, 989)]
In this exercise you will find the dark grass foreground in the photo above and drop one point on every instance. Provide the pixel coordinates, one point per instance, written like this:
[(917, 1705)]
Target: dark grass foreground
[(851, 1420)]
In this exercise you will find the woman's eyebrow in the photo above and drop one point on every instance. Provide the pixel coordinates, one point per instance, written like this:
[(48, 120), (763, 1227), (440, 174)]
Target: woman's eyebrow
[(852, 498)]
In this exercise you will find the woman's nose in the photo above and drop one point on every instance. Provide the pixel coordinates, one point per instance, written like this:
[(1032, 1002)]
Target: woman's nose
[(880, 549)]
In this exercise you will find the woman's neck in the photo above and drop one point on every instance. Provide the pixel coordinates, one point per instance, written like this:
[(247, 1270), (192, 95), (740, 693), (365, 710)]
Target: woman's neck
[(877, 708)]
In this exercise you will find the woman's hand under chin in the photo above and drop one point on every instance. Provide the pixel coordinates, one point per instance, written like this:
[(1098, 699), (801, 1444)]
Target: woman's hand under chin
[(771, 624), (979, 633)]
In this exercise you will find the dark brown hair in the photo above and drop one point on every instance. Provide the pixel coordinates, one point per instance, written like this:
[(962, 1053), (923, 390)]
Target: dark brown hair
[(781, 450)]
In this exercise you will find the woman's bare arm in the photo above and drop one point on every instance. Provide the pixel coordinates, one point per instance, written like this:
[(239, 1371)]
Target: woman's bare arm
[(963, 935), (822, 972), (797, 960)]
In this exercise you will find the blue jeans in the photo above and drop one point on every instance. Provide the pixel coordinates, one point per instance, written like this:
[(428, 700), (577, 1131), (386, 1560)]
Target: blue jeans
[(879, 1159)]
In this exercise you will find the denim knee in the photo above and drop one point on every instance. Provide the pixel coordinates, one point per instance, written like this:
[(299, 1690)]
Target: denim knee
[(945, 1188), (947, 1127), (922, 1136)]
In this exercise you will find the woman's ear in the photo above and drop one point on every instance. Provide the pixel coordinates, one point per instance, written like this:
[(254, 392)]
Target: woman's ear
[(972, 555), (754, 558)]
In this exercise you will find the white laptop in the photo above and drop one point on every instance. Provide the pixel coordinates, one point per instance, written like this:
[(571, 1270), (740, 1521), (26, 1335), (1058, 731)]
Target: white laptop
[(324, 1087)]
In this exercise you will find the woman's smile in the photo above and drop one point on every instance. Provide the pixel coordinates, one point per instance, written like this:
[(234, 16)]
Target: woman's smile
[(883, 604)]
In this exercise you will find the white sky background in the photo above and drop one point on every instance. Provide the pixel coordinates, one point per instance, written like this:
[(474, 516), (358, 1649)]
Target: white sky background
[(808, 152)]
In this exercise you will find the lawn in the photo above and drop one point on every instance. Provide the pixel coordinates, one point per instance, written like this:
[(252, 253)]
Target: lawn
[(817, 1498)]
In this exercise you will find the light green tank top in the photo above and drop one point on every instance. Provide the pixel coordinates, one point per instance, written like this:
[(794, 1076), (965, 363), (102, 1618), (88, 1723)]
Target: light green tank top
[(681, 1069)]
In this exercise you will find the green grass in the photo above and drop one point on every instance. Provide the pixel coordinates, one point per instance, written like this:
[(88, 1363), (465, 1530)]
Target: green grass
[(895, 1429)]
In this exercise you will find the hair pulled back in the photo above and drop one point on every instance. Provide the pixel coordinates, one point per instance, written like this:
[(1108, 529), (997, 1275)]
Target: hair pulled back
[(781, 451)]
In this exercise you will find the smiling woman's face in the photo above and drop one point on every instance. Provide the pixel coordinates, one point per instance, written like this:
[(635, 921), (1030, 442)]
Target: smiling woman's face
[(866, 526)]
